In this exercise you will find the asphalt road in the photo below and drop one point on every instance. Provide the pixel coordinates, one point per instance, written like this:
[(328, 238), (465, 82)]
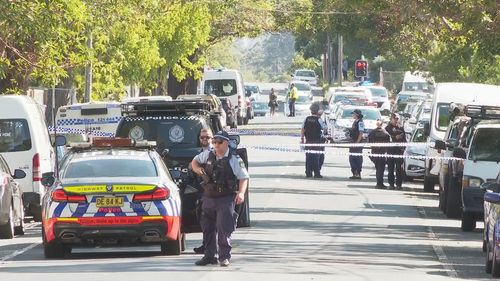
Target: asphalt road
[(302, 229)]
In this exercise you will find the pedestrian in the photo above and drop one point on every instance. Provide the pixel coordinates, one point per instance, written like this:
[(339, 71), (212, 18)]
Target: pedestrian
[(273, 102), (395, 164), (293, 95), (356, 134), (345, 67), (379, 135), (313, 130), (225, 181), (205, 138)]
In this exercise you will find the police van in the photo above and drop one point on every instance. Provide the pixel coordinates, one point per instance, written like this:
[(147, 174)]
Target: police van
[(95, 118)]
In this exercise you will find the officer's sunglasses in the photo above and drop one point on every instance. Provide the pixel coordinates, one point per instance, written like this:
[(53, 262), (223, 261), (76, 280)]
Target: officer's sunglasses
[(205, 137), (217, 141)]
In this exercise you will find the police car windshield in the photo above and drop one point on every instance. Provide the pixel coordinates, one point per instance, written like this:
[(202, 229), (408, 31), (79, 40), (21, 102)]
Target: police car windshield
[(367, 114), (302, 87), (167, 131), (486, 145), (117, 167)]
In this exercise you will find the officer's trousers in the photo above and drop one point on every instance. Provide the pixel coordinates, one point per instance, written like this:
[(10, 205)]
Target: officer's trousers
[(395, 165), (379, 169), (291, 107), (313, 164), (218, 222), (356, 162)]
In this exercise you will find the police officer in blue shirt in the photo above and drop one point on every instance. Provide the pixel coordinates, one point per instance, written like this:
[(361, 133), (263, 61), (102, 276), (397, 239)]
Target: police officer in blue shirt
[(312, 131), (225, 181), (356, 133)]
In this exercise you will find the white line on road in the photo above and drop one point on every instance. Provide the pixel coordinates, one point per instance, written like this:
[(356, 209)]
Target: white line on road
[(20, 252), (438, 250)]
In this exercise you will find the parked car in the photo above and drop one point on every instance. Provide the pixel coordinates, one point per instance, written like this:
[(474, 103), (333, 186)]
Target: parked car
[(11, 203), (340, 126), (415, 167), (380, 96), (306, 75), (491, 239), (260, 108)]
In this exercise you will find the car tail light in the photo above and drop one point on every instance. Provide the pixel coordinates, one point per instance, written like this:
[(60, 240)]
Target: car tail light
[(60, 195), (37, 176), (159, 193)]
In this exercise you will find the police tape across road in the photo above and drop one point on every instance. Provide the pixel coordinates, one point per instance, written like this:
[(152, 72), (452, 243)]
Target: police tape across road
[(343, 153)]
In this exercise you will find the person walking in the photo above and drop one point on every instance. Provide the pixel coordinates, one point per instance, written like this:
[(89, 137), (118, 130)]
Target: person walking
[(395, 164), (273, 102), (313, 129), (225, 180), (345, 67), (379, 135), (356, 134), (293, 95)]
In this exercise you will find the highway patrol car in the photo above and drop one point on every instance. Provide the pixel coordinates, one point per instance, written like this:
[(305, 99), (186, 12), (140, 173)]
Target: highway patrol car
[(111, 191)]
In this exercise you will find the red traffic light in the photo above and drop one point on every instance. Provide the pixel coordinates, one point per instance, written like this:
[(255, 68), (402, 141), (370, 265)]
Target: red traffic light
[(361, 69)]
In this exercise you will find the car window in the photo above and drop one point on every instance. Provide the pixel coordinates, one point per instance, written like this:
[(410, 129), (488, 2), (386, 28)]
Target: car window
[(14, 135), (303, 99), (419, 136), (221, 88), (443, 116), (168, 131), (259, 105), (305, 73), (376, 92), (303, 87), (486, 145), (118, 167), (367, 114), (253, 89)]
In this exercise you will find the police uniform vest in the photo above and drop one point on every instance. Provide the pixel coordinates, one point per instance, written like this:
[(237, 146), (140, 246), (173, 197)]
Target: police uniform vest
[(395, 131), (221, 180), (354, 133), (379, 135)]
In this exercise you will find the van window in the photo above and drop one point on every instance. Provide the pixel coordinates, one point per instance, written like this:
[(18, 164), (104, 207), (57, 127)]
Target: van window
[(486, 145), (419, 136), (14, 135), (221, 88), (443, 116)]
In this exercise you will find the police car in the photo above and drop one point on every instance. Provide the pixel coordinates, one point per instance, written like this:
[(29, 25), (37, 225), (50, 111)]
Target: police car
[(111, 192)]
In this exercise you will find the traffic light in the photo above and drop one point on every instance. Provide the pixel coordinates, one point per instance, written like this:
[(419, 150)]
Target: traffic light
[(361, 68)]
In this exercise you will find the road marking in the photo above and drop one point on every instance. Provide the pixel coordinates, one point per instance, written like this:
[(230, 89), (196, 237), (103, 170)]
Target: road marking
[(20, 252), (438, 250)]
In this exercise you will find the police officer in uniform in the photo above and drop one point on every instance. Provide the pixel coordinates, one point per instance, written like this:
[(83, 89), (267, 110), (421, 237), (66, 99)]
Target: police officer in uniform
[(356, 133), (293, 95), (225, 181), (379, 135), (398, 135), (313, 132)]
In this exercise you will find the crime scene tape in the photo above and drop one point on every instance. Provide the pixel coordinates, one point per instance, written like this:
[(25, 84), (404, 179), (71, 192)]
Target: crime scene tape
[(343, 153), (242, 132)]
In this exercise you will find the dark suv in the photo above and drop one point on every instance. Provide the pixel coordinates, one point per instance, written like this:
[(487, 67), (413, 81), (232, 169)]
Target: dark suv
[(176, 126)]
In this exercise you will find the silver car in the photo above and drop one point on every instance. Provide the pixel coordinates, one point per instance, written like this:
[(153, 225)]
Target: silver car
[(11, 203)]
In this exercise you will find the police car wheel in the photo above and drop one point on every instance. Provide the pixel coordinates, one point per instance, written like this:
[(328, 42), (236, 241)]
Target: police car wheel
[(172, 247)]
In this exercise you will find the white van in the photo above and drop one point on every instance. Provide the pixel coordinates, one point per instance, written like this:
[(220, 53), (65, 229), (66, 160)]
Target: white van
[(96, 118), (444, 95), (417, 81), (227, 83), (25, 145)]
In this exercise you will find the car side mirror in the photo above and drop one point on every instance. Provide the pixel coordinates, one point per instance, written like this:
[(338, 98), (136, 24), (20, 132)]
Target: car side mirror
[(492, 197), (492, 186), (48, 179), (19, 174), (459, 153), (427, 129), (60, 141), (440, 145)]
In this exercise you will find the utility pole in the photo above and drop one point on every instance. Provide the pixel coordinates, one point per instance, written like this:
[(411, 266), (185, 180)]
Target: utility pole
[(340, 59), (88, 72), (328, 59)]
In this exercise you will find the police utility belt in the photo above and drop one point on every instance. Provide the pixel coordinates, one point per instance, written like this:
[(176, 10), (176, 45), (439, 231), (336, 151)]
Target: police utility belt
[(219, 179)]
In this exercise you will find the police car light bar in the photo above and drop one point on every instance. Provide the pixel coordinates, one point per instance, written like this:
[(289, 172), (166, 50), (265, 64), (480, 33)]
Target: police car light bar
[(482, 111), (176, 107)]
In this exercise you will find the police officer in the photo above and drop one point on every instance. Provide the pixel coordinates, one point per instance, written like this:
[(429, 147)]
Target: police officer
[(379, 135), (356, 133), (293, 95), (225, 180), (312, 131), (394, 164)]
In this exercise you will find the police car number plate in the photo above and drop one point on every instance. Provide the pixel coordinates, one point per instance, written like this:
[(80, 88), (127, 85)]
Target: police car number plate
[(109, 202)]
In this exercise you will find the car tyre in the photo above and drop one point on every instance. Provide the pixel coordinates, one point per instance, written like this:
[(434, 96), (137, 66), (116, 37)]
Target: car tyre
[(244, 212), (172, 247), (488, 262), (7, 230), (428, 184), (468, 222)]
